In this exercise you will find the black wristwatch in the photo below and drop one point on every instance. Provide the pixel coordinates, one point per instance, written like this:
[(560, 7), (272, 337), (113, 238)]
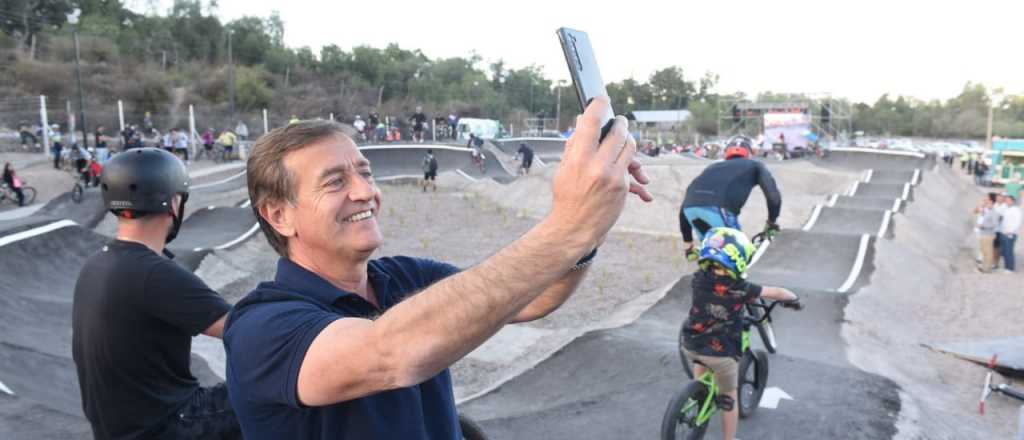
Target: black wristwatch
[(587, 260)]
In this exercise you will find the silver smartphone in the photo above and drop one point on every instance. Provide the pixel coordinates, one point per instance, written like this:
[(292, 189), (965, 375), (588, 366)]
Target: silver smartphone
[(579, 55)]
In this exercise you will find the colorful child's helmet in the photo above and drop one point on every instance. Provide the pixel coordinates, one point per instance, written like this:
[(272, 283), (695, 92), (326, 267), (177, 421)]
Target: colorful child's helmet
[(729, 248)]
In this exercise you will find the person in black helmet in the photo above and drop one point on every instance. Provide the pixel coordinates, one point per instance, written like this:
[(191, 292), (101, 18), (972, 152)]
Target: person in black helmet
[(135, 312), (715, 198)]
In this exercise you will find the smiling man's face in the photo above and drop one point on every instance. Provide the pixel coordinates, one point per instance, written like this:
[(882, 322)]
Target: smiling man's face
[(337, 200)]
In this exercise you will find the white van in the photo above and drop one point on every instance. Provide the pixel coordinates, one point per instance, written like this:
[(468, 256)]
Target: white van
[(483, 128)]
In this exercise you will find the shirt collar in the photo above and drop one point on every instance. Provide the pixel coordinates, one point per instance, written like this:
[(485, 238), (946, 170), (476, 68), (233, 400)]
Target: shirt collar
[(310, 284)]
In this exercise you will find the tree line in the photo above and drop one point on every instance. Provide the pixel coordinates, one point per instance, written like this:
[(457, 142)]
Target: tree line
[(156, 61)]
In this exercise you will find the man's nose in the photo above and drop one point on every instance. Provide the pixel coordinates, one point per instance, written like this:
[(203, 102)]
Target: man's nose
[(362, 189)]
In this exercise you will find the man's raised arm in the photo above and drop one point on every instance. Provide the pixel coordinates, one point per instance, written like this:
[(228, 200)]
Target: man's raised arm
[(429, 331)]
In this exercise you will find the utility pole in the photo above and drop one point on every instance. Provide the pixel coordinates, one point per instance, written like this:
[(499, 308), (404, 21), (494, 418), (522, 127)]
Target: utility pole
[(558, 108), (231, 75), (73, 19)]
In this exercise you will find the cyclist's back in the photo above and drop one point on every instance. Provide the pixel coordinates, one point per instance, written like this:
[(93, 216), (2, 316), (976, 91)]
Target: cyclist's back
[(716, 197), (728, 184)]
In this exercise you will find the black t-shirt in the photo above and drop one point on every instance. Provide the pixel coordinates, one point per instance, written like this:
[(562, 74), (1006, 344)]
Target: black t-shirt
[(527, 153), (418, 120), (715, 324), (727, 184), (100, 143), (133, 319)]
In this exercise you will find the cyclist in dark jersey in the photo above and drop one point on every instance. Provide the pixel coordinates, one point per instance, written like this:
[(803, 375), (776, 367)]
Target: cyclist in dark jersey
[(135, 312), (716, 197)]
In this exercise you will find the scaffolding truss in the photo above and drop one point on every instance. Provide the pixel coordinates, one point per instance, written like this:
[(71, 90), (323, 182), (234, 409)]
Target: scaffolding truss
[(830, 118)]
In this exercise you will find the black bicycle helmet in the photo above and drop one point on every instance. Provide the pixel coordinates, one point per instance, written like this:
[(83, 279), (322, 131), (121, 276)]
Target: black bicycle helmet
[(144, 181)]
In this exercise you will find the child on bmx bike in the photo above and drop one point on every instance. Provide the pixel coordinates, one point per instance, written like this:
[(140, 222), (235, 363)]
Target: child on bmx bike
[(712, 334)]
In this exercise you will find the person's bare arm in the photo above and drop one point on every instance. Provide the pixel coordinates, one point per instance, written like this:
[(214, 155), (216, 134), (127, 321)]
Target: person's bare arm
[(778, 293), (429, 331), (216, 329), (552, 298)]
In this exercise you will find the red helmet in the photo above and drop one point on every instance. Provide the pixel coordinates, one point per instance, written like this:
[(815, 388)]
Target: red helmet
[(738, 146)]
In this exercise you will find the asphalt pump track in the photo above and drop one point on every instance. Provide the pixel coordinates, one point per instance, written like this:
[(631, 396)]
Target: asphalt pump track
[(615, 383)]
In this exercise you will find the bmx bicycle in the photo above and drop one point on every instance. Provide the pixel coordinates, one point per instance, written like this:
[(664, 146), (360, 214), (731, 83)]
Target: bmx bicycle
[(1002, 388), (691, 409), (479, 160), (7, 194)]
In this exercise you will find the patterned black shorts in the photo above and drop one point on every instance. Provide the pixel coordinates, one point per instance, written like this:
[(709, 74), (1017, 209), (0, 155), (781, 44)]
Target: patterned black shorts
[(206, 416)]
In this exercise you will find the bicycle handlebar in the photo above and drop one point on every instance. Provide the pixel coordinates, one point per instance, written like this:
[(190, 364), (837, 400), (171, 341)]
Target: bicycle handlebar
[(767, 311)]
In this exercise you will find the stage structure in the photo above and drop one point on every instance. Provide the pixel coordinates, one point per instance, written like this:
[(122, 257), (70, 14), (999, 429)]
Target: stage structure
[(830, 118)]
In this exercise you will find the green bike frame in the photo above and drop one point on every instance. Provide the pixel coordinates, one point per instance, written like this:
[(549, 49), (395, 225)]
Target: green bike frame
[(709, 406)]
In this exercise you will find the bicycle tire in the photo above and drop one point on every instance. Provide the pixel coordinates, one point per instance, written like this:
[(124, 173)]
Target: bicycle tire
[(683, 359), (77, 193), (753, 377), (675, 419), (470, 429), (30, 194)]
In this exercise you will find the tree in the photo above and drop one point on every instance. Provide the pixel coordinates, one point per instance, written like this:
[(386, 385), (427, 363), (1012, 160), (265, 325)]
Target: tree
[(23, 19), (669, 89)]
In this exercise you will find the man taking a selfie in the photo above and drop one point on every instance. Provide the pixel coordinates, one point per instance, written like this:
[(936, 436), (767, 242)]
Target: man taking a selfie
[(339, 345)]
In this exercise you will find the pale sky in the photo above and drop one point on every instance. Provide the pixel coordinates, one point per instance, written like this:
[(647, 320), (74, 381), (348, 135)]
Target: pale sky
[(856, 49)]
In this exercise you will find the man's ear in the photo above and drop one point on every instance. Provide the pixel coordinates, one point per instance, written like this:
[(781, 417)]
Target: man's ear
[(280, 216)]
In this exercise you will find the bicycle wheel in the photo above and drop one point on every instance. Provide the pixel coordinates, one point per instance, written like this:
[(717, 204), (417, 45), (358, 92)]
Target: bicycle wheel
[(470, 429), (76, 193), (753, 376), (30, 194), (680, 420), (687, 364)]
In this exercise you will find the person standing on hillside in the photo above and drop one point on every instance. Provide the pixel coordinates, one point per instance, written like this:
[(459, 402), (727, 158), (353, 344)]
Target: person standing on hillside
[(988, 223), (242, 130), (27, 138), (419, 124), (373, 121), (58, 145), (360, 125), (102, 150), (429, 171), (227, 140), (135, 312), (181, 146), (168, 141), (1009, 229), (207, 144)]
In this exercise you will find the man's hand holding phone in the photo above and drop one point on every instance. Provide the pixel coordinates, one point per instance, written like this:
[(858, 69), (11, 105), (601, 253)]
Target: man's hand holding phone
[(594, 176)]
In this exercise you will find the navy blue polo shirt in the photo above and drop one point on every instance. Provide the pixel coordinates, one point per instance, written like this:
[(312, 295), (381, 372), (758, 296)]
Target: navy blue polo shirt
[(266, 338)]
